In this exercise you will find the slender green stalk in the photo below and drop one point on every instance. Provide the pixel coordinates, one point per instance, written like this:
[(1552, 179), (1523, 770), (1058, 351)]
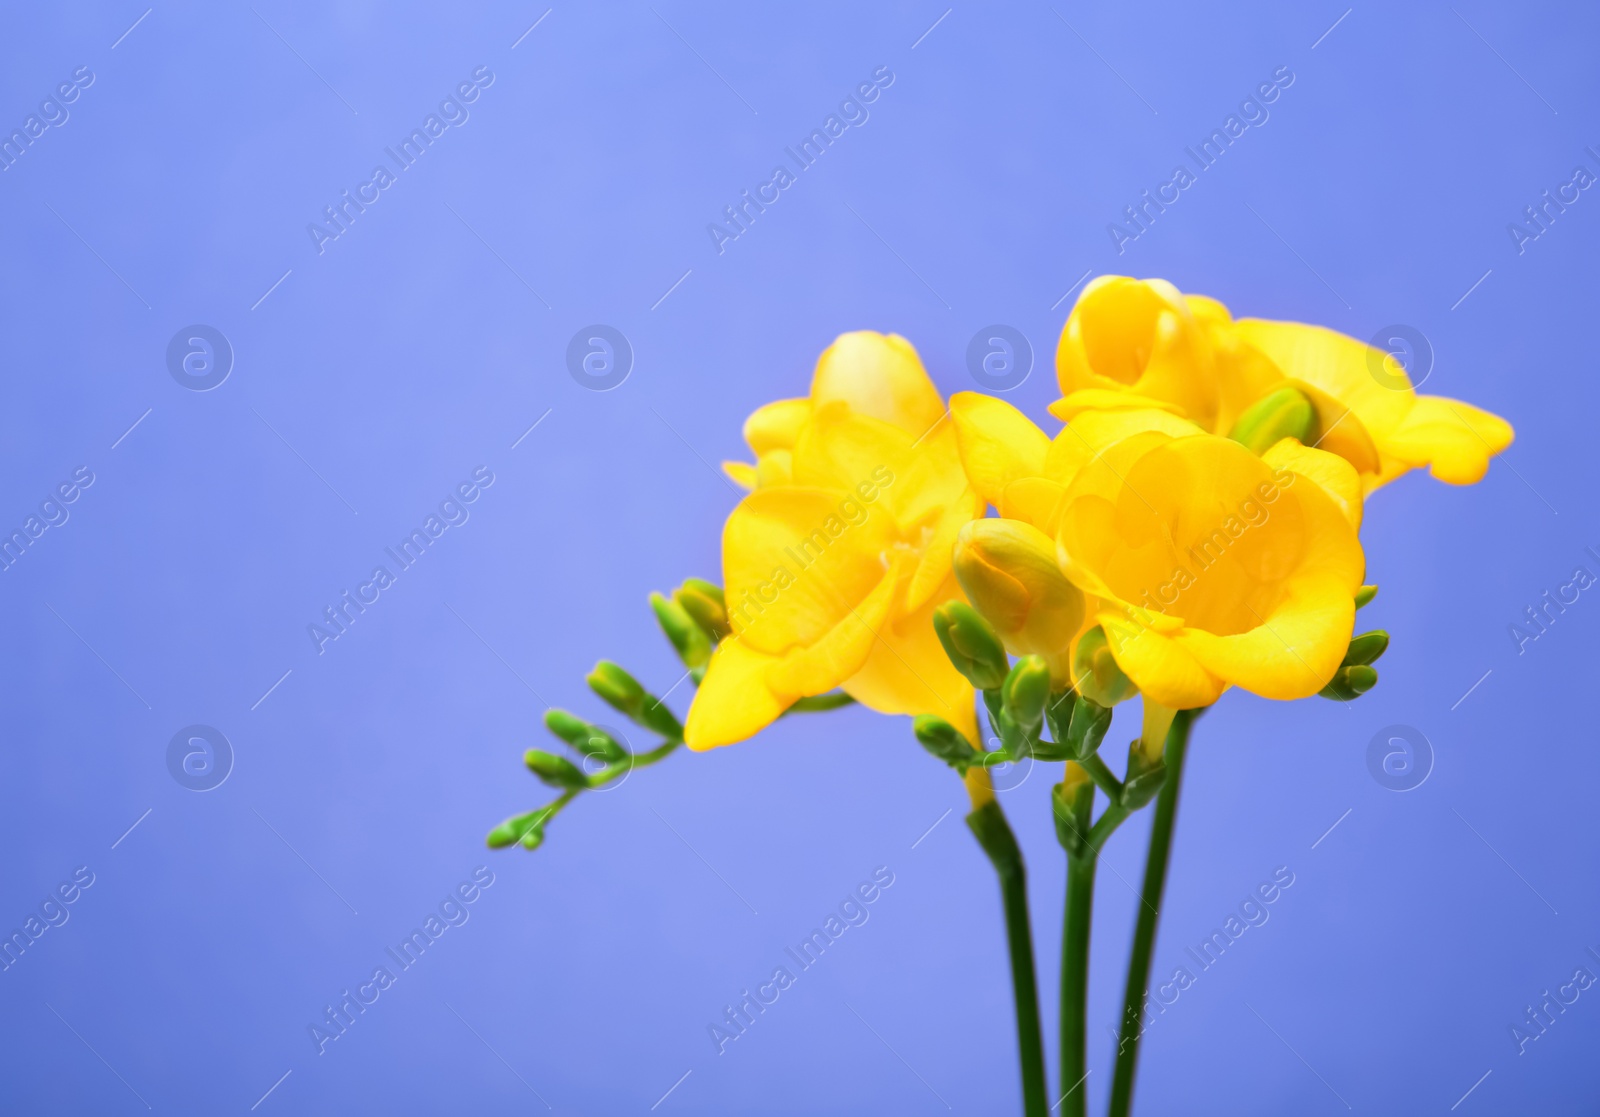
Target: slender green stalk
[(1103, 777), (989, 826), (1144, 935), (1075, 981)]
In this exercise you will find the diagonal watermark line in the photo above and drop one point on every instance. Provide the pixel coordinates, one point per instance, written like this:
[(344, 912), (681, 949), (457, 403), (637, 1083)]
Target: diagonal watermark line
[(529, 31), (303, 461), (656, 702), (97, 255), (1068, 1094), (1104, 63), (1475, 1085), (98, 656), (1472, 688), (529, 431), (487, 1044), (271, 1088), (704, 862), (497, 256), (671, 289), (307, 65), (129, 431), (132, 828), (129, 31), (896, 1054), (1297, 256), (932, 828), (897, 255), (1297, 1055), (1329, 31), (708, 65), (496, 654), (929, 31), (1503, 460), (720, 475), (97, 1054), (1502, 58), (1471, 289), (272, 688), (1332, 828), (1087, 272), (674, 1086), (1507, 864), (271, 289), (304, 862)]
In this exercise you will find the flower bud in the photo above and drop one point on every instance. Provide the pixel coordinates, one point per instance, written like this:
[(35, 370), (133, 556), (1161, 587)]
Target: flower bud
[(1024, 693), (944, 741), (690, 640), (557, 771), (971, 644), (1350, 682), (1072, 802), (1365, 594), (624, 694), (513, 829), (1144, 778), (1009, 572), (1096, 673), (1366, 648), (590, 740), (704, 603), (1285, 413)]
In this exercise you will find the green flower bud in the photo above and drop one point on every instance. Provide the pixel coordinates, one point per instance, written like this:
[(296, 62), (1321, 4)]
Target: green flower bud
[(510, 831), (1350, 682), (624, 694), (557, 771), (1072, 802), (704, 603), (1097, 674), (1025, 692), (534, 838), (688, 638), (944, 741), (1365, 594), (1009, 571), (1366, 648), (1086, 727), (1285, 413), (590, 740), (971, 645)]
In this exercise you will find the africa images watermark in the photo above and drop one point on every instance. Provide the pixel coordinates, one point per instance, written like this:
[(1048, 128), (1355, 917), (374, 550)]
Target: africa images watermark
[(1536, 620), (852, 114), (1252, 114), (452, 513), (52, 114), (53, 912), (853, 912), (52, 513), (452, 114), (1538, 217)]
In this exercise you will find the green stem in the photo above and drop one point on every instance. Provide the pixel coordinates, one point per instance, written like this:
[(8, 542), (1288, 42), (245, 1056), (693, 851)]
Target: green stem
[(1144, 936), (628, 764), (1104, 778), (1075, 981), (989, 826)]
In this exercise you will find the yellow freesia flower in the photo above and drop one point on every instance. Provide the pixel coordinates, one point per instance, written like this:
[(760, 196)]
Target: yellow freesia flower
[(1139, 344), (834, 564), (1009, 571), (1207, 565)]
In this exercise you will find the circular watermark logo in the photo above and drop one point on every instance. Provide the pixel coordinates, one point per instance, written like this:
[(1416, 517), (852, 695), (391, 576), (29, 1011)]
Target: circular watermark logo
[(599, 357), (1400, 357), (592, 764), (199, 357), (199, 757), (1399, 757), (999, 358), (1011, 775)]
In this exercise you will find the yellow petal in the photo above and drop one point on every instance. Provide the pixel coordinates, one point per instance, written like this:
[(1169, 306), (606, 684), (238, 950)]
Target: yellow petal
[(743, 473), (1456, 438), (881, 376), (1343, 432), (998, 443), (933, 568), (907, 671), (1336, 476), (734, 701), (1164, 671), (843, 449), (1088, 435), (776, 425), (796, 561), (1290, 654), (1101, 399), (839, 653)]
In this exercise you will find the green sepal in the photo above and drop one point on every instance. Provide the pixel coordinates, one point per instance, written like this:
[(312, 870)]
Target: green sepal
[(1350, 682), (1285, 413), (944, 741), (1099, 675), (1025, 693), (1365, 594), (1071, 809), (972, 645), (589, 740), (1143, 780), (1087, 726), (690, 641), (1366, 648), (557, 771)]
